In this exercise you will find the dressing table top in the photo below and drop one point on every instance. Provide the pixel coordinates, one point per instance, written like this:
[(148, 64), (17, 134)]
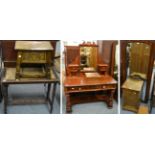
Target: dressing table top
[(82, 80)]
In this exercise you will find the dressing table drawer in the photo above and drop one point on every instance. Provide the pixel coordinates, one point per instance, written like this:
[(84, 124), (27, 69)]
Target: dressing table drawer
[(108, 86), (72, 89), (82, 88), (89, 88)]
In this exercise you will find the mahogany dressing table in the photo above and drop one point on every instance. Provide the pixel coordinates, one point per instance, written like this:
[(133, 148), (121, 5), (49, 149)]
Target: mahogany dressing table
[(86, 79)]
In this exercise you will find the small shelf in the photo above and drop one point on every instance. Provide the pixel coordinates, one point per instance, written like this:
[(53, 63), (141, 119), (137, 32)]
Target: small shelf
[(37, 72)]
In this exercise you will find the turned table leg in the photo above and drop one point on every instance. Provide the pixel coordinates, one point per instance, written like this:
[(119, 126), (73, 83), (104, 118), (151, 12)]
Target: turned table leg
[(110, 102), (68, 104), (53, 96), (5, 91)]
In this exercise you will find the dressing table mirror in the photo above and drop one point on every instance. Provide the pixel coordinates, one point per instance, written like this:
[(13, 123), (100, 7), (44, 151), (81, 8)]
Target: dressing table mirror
[(87, 79), (88, 57), (84, 59)]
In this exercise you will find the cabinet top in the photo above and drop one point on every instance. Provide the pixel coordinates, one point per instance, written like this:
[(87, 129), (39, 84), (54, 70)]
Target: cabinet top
[(33, 45)]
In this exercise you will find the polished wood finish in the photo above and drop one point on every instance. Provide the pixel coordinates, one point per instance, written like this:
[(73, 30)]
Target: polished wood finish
[(106, 54), (125, 61), (103, 69), (90, 83), (72, 60), (79, 89)]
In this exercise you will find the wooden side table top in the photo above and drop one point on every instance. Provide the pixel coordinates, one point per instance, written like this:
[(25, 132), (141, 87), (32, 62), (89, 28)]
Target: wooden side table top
[(33, 45), (82, 80)]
